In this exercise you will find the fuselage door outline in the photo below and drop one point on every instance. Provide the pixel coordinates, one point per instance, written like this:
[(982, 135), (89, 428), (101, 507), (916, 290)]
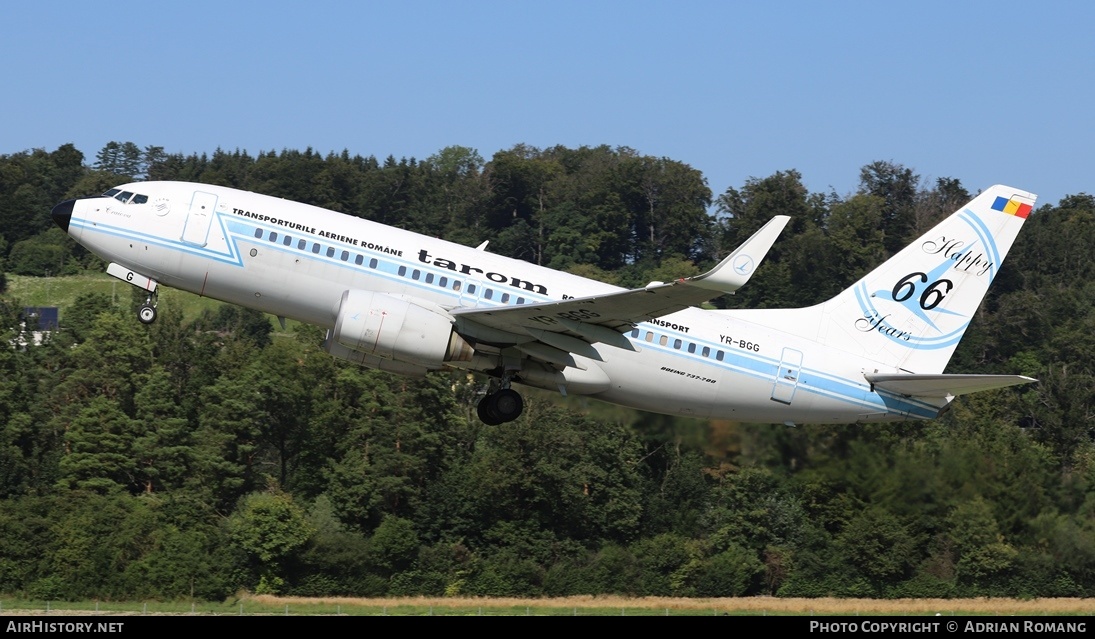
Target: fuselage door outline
[(199, 218), (471, 292), (787, 376)]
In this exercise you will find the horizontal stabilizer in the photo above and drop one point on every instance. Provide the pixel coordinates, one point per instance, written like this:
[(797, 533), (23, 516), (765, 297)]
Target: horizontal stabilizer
[(943, 385)]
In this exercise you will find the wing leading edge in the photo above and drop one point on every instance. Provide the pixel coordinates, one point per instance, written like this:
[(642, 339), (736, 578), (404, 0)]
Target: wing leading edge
[(572, 325)]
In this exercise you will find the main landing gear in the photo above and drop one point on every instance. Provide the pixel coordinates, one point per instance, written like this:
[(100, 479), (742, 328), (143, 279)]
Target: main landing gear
[(501, 404), (147, 313)]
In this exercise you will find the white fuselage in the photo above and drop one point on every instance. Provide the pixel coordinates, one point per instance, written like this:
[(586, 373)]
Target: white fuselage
[(296, 261)]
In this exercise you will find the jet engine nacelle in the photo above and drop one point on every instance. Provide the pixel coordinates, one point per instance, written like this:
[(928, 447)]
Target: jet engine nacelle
[(334, 349), (393, 328)]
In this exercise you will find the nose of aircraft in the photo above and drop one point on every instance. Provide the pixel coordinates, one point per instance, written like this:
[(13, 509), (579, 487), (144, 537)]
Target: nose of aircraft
[(62, 213)]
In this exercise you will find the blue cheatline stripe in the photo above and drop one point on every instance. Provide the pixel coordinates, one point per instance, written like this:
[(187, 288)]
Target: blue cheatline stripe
[(387, 264), (758, 367), (852, 392), (232, 256)]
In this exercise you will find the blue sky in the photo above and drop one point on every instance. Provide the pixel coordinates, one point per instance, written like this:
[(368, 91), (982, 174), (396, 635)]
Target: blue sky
[(986, 92)]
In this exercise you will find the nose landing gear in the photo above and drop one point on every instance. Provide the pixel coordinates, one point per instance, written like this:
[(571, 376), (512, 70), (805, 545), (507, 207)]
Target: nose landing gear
[(147, 313)]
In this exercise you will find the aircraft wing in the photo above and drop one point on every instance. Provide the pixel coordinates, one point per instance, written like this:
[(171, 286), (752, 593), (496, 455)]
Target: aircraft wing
[(943, 385), (572, 325)]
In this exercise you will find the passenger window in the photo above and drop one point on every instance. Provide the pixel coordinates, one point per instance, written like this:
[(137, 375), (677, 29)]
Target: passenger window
[(315, 249), (505, 298), (677, 344), (415, 274), (718, 355), (664, 340), (273, 236), (301, 245), (359, 259), (443, 282), (372, 263), (402, 271), (471, 289), (345, 256), (456, 285), (429, 278), (520, 300), (635, 333), (706, 351), (258, 233), (288, 240), (330, 251), (649, 336), (489, 294), (691, 347)]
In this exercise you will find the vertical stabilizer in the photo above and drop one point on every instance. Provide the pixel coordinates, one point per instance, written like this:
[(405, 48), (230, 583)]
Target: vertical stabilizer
[(911, 311)]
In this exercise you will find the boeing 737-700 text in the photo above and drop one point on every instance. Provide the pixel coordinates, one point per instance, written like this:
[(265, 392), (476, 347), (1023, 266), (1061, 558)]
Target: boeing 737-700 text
[(402, 302)]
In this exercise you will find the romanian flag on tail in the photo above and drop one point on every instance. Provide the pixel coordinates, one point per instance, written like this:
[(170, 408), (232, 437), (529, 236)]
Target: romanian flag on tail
[(1011, 207)]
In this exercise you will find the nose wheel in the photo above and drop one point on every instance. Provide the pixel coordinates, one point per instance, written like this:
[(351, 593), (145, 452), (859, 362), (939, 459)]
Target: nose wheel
[(147, 313)]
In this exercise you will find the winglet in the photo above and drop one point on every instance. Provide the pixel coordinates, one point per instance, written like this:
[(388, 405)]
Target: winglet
[(733, 272)]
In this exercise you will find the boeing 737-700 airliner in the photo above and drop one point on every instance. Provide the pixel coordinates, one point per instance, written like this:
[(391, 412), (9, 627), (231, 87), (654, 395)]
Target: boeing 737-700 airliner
[(402, 302)]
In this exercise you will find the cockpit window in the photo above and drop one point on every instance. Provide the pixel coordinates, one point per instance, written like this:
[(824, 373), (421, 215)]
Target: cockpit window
[(127, 197)]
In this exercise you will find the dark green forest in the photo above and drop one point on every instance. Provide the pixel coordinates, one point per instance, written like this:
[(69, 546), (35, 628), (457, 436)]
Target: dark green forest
[(198, 457)]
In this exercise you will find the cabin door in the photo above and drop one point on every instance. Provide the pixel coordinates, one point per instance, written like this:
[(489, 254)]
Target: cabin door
[(199, 218), (787, 374)]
